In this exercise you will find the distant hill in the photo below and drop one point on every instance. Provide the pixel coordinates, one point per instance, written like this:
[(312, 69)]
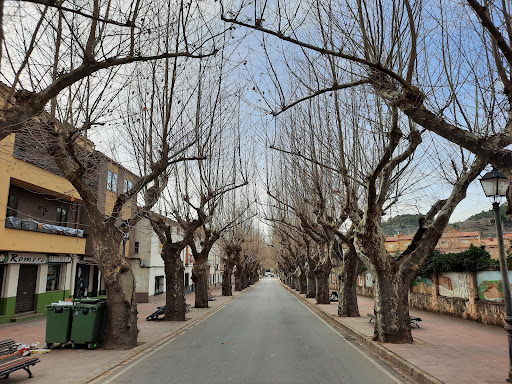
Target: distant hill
[(406, 224), (482, 222)]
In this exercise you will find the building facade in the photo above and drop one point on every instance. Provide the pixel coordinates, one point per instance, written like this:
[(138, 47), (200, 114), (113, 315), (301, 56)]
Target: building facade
[(148, 265), (147, 262), (39, 235), (46, 250)]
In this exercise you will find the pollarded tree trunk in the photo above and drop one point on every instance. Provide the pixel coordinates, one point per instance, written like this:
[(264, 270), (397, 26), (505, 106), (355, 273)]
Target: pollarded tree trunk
[(302, 283), (200, 275), (227, 288), (253, 276), (245, 279), (238, 278), (174, 285), (322, 285), (311, 285), (121, 327), (391, 294), (291, 278), (347, 284)]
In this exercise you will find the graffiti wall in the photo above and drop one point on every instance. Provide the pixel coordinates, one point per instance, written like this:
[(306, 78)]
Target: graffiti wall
[(453, 284), (422, 285), (490, 286)]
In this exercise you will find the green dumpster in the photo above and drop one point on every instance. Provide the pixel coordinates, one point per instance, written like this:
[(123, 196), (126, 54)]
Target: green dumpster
[(58, 324), (88, 323)]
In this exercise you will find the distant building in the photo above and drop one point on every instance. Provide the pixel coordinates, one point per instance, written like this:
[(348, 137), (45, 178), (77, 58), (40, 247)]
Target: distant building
[(451, 242), (147, 262), (216, 266), (491, 245), (148, 265)]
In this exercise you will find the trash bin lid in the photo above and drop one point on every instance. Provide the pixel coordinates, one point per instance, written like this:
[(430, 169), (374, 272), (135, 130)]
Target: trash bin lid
[(90, 300)]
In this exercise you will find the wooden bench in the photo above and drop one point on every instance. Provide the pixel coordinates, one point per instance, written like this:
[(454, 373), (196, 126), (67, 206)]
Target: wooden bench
[(11, 360), (414, 320)]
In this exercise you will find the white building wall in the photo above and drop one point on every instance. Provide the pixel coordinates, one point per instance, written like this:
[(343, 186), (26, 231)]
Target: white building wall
[(150, 251), (42, 272), (13, 273), (66, 276)]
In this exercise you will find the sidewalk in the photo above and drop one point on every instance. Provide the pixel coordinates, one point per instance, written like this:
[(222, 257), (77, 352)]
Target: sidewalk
[(451, 350), (65, 366)]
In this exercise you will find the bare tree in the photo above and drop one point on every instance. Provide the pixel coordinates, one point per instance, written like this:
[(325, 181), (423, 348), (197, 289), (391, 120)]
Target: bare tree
[(391, 47), (48, 47), (374, 48)]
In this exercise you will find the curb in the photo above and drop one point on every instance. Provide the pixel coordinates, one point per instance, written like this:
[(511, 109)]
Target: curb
[(139, 350), (418, 374)]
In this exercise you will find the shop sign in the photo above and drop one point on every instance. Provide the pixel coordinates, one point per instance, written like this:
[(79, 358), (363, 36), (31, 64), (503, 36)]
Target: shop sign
[(17, 258), (3, 257), (59, 259)]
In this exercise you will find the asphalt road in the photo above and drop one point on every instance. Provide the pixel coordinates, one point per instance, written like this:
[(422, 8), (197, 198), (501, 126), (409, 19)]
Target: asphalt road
[(264, 336)]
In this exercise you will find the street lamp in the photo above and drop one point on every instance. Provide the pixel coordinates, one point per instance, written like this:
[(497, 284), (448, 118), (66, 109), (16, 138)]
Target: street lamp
[(495, 186)]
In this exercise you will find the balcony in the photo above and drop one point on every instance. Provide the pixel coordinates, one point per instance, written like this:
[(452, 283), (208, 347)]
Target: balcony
[(35, 226)]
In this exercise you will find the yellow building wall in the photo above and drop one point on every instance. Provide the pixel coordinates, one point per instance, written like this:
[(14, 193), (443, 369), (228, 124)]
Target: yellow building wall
[(47, 182)]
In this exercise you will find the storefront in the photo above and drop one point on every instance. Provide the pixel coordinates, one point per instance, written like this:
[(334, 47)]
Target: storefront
[(87, 278), (30, 281)]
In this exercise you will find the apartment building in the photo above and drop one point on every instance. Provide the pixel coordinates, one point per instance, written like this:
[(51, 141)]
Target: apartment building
[(45, 245), (215, 266), (147, 262), (39, 235), (108, 180), (450, 242), (148, 265)]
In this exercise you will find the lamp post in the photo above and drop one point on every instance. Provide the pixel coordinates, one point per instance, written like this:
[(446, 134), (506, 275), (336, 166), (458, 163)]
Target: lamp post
[(495, 186)]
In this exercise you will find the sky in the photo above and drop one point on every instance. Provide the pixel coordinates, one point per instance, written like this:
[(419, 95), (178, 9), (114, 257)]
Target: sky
[(253, 79)]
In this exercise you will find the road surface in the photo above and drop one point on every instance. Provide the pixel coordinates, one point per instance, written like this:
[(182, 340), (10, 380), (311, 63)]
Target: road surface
[(265, 336)]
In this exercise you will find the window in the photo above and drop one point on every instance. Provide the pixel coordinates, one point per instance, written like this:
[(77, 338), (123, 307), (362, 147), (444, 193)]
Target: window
[(127, 185), (62, 216), (53, 278), (111, 181), (136, 246), (159, 284), (12, 206)]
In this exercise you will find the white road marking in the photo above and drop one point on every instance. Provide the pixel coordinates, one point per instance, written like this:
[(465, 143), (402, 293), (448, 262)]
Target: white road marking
[(353, 346)]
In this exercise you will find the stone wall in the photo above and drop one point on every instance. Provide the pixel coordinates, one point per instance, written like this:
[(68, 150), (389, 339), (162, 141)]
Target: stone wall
[(461, 300)]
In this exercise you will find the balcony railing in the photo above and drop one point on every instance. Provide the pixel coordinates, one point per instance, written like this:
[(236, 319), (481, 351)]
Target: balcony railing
[(35, 226)]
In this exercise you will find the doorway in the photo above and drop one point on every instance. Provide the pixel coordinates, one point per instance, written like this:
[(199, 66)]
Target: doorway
[(26, 292), (82, 280)]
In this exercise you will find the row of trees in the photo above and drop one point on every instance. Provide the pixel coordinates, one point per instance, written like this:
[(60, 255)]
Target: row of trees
[(383, 95), (151, 83), (379, 107)]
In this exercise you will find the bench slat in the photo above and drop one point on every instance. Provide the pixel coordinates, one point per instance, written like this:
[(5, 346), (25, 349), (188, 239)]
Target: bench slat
[(11, 361)]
